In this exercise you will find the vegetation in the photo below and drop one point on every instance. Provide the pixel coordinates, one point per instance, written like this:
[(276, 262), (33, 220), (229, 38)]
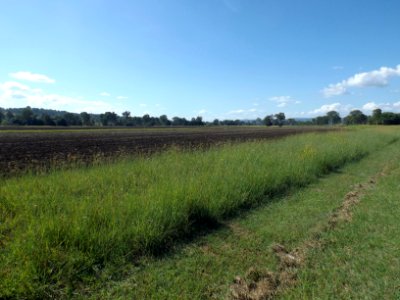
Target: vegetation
[(61, 229), (47, 117), (360, 260), (356, 117), (206, 267)]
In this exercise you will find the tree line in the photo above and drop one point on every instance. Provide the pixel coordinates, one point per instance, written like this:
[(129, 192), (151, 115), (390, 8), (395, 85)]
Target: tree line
[(357, 117), (42, 117)]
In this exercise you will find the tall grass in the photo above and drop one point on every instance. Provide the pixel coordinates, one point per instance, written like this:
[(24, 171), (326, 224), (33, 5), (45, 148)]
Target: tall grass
[(60, 229)]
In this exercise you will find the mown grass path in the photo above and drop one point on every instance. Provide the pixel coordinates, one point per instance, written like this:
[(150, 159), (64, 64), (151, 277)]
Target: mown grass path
[(360, 258), (206, 267)]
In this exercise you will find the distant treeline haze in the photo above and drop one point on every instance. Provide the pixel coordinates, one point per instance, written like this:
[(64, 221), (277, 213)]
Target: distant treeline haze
[(48, 117)]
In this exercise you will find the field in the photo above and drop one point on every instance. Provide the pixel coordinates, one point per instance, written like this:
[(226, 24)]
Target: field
[(36, 148), (185, 223)]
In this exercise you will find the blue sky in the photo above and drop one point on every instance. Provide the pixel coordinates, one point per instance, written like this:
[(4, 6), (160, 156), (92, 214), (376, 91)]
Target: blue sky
[(215, 58)]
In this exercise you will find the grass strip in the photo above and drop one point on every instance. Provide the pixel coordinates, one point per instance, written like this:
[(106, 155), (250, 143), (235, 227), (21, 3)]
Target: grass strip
[(206, 267), (62, 229), (360, 260)]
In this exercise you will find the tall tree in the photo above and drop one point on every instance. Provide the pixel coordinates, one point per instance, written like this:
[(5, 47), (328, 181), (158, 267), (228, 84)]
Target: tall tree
[(86, 119), (109, 119), (333, 117), (356, 117), (376, 117), (26, 117), (280, 118), (164, 120), (47, 120), (269, 120)]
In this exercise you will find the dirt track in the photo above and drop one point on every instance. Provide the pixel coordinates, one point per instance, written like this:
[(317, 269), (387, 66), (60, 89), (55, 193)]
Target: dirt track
[(21, 149)]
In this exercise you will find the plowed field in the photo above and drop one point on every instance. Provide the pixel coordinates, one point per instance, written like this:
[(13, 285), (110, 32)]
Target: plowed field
[(25, 149)]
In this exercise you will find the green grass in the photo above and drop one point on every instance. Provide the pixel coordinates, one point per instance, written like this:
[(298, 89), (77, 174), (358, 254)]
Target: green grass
[(205, 268), (359, 260), (61, 229)]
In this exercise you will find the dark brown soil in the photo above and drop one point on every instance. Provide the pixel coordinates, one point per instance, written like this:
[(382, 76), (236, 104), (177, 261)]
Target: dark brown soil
[(21, 150)]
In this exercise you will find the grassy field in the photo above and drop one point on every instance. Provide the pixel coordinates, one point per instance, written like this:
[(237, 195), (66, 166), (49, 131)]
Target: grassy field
[(357, 260), (69, 229)]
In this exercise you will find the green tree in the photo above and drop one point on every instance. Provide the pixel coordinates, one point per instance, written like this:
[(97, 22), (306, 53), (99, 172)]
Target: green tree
[(72, 119), (268, 120), (390, 118), (164, 121), (280, 118), (47, 120), (356, 117), (26, 117), (9, 117), (86, 119), (333, 117), (109, 119), (376, 117)]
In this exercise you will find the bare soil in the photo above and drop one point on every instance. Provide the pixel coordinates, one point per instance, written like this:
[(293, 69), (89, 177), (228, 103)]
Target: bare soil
[(29, 149)]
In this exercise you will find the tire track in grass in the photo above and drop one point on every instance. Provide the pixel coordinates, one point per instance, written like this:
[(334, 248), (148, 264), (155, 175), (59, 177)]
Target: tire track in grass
[(264, 284)]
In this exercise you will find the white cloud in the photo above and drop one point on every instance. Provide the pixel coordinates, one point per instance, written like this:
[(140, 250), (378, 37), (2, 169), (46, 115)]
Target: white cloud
[(341, 108), (283, 101), (370, 106), (375, 78), (236, 112), (13, 86), (336, 68), (344, 109), (33, 77), (14, 94), (122, 97), (251, 113), (105, 94), (202, 112), (335, 89), (385, 106)]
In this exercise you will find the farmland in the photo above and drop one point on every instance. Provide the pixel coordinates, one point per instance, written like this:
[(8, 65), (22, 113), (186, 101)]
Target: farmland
[(36, 148), (141, 226)]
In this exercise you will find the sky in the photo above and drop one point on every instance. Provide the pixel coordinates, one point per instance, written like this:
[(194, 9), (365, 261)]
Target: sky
[(226, 59)]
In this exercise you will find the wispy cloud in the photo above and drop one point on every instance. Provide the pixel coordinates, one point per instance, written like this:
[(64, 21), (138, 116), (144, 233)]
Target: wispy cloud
[(250, 113), (283, 101), (375, 78), (122, 97), (236, 112), (202, 112), (105, 94), (337, 68), (32, 77), (15, 94)]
